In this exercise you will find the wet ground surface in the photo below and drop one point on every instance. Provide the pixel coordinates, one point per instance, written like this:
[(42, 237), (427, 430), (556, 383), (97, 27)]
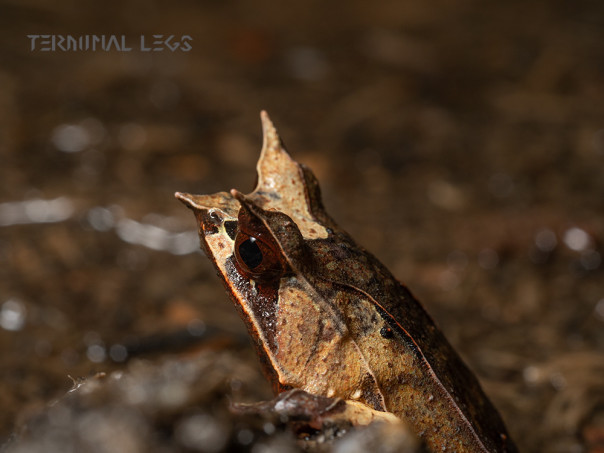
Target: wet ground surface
[(462, 143)]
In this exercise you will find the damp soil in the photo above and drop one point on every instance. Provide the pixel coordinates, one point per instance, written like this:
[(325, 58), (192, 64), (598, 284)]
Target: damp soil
[(461, 142)]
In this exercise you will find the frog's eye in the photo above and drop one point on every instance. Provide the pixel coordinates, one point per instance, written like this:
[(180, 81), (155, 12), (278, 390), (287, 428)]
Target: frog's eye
[(257, 258)]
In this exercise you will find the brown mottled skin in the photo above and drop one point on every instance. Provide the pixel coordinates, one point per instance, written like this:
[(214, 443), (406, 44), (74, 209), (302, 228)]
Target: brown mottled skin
[(329, 318)]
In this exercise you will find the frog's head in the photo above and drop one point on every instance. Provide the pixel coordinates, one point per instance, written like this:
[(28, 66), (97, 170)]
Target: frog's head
[(255, 241), (267, 228)]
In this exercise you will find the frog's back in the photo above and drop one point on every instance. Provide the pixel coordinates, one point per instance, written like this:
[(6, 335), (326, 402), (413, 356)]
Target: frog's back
[(359, 275)]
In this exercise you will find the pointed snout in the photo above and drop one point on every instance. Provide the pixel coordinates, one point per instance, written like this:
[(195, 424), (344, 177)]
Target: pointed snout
[(186, 198)]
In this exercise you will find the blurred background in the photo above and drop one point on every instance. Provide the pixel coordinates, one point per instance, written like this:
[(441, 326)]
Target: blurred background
[(460, 141)]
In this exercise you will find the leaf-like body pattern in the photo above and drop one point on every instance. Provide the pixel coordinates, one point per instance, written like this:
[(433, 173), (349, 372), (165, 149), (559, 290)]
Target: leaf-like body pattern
[(328, 318)]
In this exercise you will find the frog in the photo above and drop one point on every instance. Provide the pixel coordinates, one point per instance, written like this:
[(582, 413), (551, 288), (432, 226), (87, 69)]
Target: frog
[(328, 318)]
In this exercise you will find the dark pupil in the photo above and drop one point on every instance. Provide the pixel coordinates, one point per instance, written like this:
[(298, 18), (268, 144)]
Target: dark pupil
[(250, 253)]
